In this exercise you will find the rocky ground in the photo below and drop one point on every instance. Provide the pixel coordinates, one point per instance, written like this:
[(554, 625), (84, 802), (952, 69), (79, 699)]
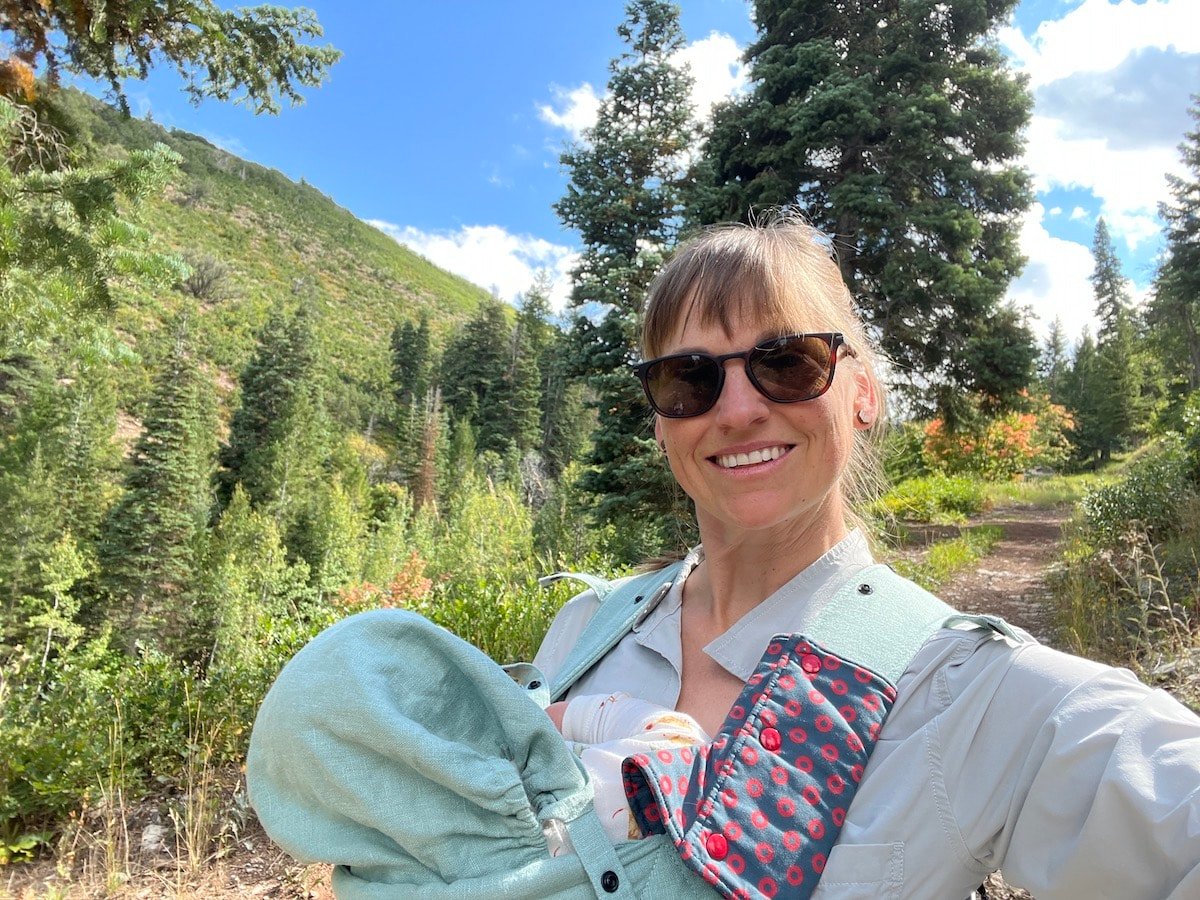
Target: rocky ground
[(1010, 582)]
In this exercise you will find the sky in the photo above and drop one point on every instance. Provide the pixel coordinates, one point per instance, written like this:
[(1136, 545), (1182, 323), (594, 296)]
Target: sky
[(443, 123)]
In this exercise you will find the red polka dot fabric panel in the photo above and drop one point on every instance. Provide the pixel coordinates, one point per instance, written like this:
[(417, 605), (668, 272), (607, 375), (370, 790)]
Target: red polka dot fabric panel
[(756, 811)]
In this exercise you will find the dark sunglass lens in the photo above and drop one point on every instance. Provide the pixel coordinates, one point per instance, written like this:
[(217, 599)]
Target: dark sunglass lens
[(683, 385), (792, 369)]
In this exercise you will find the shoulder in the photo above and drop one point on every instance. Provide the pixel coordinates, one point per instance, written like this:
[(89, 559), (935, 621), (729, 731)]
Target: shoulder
[(564, 631), (573, 619)]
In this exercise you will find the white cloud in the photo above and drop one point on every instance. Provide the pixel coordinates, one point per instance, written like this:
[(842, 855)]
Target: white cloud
[(1098, 35), (1127, 182), (1056, 281), (491, 257), (577, 109), (1056, 211), (1079, 213), (716, 68), (1110, 81)]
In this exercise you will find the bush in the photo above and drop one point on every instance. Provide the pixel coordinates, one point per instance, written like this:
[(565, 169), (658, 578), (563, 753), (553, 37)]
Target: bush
[(1147, 498), (1001, 448), (903, 453), (933, 498)]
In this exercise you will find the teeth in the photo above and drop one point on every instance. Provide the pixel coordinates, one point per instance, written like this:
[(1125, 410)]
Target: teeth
[(733, 460)]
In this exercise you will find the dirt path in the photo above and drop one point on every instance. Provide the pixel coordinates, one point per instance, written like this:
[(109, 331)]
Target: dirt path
[(1010, 582)]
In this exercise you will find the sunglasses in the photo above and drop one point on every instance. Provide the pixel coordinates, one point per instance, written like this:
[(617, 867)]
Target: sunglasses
[(787, 369)]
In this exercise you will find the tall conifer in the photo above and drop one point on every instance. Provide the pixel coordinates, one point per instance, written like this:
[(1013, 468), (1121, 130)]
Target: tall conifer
[(1175, 305), (1119, 383), (153, 535), (896, 129), (279, 435), (625, 198)]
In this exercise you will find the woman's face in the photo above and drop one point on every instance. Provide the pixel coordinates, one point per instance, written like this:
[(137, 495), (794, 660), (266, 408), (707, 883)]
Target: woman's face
[(806, 445)]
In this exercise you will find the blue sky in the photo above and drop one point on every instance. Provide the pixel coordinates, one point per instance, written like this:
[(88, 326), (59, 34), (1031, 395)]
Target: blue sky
[(443, 123)]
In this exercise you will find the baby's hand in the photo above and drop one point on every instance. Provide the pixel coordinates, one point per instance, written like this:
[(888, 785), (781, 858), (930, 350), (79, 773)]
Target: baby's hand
[(556, 711)]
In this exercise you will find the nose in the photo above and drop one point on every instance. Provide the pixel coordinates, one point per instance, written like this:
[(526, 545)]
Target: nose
[(740, 404)]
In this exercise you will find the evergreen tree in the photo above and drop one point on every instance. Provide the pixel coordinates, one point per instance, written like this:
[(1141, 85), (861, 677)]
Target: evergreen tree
[(1053, 364), (1174, 312), (31, 515), (1119, 372), (66, 241), (522, 388), (278, 437), (564, 421), (1084, 389), (254, 54), (152, 537), (625, 198), (475, 367), (896, 129), (412, 361)]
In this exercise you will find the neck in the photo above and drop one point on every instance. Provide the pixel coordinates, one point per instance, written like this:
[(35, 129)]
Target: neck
[(743, 568)]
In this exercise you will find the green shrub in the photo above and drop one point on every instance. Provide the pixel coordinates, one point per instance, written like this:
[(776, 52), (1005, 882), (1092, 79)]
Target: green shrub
[(1147, 497), (903, 453), (946, 559), (932, 498)]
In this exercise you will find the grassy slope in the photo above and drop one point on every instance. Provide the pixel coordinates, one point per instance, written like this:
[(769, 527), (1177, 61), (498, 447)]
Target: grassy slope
[(284, 242)]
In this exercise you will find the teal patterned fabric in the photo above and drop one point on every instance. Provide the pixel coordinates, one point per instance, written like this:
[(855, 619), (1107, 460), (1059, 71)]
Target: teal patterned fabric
[(756, 811), (419, 768)]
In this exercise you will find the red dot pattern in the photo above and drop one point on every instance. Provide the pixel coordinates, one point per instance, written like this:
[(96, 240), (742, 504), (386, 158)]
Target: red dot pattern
[(756, 811)]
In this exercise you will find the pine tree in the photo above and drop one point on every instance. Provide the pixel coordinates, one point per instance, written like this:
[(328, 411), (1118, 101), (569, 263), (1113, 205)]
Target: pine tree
[(255, 54), (66, 241), (279, 435), (412, 361), (522, 388), (1053, 364), (152, 537), (625, 198), (1084, 388), (1120, 377), (896, 129), (1174, 312), (474, 369)]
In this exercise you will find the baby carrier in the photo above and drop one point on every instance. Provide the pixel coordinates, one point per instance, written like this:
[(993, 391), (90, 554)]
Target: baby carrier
[(392, 749)]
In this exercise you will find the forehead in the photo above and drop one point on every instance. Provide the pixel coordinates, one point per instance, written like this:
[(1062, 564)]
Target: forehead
[(737, 321)]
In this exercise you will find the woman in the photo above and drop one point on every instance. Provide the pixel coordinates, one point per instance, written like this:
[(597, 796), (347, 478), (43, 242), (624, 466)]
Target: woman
[(998, 752)]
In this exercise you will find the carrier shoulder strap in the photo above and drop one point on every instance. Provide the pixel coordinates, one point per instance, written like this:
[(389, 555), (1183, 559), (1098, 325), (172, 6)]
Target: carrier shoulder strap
[(878, 618), (623, 604)]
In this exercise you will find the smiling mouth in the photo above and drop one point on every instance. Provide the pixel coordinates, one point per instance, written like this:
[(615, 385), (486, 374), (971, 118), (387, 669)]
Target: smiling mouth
[(753, 458)]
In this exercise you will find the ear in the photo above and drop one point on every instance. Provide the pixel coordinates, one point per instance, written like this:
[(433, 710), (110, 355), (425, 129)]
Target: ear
[(866, 401), (658, 432)]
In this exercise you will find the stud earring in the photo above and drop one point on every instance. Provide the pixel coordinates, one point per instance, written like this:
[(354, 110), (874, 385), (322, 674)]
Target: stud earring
[(863, 418)]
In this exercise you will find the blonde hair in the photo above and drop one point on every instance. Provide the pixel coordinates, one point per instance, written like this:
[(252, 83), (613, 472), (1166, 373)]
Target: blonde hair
[(778, 271)]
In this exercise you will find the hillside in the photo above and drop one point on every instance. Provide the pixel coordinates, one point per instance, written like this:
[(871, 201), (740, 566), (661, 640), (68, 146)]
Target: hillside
[(281, 242)]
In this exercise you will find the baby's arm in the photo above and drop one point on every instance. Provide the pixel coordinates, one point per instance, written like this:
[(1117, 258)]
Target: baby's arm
[(603, 729)]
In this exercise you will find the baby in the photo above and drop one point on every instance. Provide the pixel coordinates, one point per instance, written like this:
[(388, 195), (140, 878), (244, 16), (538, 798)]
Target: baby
[(602, 730)]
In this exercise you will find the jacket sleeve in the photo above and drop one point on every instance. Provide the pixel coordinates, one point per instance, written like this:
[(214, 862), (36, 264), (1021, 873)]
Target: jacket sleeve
[(1102, 776)]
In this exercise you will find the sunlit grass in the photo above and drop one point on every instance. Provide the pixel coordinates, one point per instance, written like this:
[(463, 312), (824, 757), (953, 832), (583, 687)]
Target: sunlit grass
[(1054, 490), (946, 559)]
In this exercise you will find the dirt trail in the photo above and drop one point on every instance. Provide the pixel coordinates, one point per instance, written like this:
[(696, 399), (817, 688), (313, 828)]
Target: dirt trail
[(1011, 581)]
